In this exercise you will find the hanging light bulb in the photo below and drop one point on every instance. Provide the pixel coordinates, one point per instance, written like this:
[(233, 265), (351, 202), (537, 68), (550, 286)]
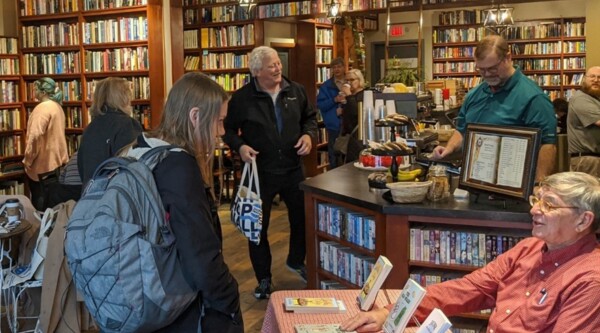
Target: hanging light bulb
[(498, 18), (247, 3), (333, 9)]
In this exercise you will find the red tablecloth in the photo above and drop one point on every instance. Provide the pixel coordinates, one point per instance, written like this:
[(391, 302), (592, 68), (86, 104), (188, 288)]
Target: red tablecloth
[(277, 320)]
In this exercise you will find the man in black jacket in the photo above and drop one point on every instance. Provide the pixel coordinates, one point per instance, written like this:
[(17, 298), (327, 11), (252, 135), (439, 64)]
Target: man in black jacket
[(271, 119)]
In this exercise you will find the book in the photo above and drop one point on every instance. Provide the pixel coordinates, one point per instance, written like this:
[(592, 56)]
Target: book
[(368, 293), (319, 328), (314, 305), (436, 322), (405, 306)]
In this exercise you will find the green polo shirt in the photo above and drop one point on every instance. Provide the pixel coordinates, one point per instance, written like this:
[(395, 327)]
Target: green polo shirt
[(519, 102)]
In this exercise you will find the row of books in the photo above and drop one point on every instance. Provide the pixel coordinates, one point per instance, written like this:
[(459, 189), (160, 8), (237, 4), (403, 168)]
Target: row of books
[(227, 36), (323, 56), (10, 145), (231, 82), (52, 63), (122, 29), (533, 31), (536, 48), (571, 47), (123, 59), (345, 262), (356, 228), (190, 39), (355, 5), (455, 247), (453, 52), (73, 117), (323, 74), (10, 119), (9, 91), (143, 115), (9, 66), (140, 87), (190, 16), (72, 90), (324, 36), (285, 9), (459, 35), (364, 24), (574, 63), (107, 4), (191, 63), (575, 80), (8, 45), (454, 67), (460, 17), (551, 64), (574, 29), (48, 35), (73, 143), (227, 60), (546, 80), (224, 14), (12, 187), (43, 7)]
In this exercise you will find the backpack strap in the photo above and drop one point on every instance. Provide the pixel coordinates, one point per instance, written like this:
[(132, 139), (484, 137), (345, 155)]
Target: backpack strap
[(153, 156)]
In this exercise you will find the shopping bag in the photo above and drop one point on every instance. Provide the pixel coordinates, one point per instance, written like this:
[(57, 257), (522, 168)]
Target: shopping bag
[(246, 208), (340, 145)]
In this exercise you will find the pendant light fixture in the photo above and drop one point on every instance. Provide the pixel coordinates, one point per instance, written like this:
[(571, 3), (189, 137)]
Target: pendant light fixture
[(498, 18)]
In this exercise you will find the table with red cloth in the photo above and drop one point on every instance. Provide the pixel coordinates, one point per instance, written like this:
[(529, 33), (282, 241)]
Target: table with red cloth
[(277, 320)]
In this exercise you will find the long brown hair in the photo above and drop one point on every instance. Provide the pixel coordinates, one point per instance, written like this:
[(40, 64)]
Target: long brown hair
[(114, 92), (193, 90)]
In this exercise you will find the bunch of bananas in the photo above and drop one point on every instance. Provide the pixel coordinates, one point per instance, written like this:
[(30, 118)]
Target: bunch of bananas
[(404, 175)]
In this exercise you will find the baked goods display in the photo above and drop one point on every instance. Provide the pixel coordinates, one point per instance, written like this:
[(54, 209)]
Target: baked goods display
[(394, 119), (390, 148)]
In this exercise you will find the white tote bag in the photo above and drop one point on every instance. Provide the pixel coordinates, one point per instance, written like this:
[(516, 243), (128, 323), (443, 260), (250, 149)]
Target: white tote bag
[(246, 208)]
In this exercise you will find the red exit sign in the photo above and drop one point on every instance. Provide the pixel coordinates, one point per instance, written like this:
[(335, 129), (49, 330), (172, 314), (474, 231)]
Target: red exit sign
[(396, 30)]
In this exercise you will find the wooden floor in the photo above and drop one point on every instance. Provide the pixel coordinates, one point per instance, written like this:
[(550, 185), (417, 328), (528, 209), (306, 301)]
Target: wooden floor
[(235, 250)]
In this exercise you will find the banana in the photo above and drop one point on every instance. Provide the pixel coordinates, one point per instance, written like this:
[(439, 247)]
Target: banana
[(404, 175)]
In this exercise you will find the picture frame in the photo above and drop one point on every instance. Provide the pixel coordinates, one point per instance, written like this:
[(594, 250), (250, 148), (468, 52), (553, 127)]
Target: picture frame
[(500, 160)]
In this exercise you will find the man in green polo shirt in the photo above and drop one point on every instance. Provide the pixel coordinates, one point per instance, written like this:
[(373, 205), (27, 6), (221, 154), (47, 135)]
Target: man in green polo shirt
[(506, 97)]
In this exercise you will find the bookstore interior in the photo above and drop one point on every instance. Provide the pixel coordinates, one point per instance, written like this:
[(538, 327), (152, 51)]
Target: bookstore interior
[(417, 61)]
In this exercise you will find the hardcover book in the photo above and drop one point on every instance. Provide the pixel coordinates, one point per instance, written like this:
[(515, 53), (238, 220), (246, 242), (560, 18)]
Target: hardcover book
[(436, 322), (405, 306), (319, 328), (314, 305), (379, 273)]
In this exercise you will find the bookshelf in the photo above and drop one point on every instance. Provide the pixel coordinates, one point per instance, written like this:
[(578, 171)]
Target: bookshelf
[(11, 119), (78, 43), (551, 52), (218, 35)]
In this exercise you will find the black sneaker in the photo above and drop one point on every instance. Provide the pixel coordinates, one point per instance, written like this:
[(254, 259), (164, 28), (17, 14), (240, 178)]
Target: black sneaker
[(263, 291), (300, 270)]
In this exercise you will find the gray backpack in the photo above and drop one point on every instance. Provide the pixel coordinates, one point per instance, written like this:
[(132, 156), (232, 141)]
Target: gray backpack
[(121, 250)]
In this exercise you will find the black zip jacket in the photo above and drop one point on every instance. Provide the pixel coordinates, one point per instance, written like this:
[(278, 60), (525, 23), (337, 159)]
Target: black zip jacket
[(251, 121)]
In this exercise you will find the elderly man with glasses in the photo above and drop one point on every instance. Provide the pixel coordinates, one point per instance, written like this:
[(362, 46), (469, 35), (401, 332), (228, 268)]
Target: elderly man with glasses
[(546, 283), (583, 125), (505, 97)]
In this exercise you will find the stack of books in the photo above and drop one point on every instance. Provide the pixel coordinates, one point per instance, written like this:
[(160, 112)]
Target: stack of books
[(314, 305)]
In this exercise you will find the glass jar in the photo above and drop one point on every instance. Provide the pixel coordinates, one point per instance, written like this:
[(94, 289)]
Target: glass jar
[(440, 187)]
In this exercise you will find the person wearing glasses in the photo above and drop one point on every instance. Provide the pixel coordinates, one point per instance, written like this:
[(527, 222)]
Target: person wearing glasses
[(353, 90), (583, 125), (546, 283), (505, 97), (329, 101)]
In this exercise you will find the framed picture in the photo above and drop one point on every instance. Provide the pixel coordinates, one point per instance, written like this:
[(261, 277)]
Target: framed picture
[(500, 160)]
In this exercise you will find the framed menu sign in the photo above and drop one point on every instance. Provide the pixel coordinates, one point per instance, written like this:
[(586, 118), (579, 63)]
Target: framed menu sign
[(500, 159)]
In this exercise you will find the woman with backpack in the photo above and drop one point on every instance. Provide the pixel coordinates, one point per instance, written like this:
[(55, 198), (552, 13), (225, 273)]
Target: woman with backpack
[(192, 119)]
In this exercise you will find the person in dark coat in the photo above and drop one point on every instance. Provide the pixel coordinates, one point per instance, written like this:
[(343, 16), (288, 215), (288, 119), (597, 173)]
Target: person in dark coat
[(192, 119), (112, 126), (271, 120)]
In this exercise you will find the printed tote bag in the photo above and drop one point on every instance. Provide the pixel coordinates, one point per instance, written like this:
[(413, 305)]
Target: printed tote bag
[(246, 209)]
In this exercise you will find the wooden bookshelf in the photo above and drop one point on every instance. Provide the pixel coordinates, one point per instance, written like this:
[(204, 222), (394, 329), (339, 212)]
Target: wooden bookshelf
[(549, 51), (82, 42), (12, 119)]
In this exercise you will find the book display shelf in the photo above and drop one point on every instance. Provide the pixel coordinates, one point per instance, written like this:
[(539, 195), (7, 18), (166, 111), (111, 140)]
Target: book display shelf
[(218, 35), (551, 52), (78, 43), (11, 119), (349, 225)]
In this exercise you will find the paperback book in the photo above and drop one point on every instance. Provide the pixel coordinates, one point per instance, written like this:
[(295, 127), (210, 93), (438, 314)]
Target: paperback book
[(436, 322), (405, 307), (319, 328), (379, 273), (314, 305)]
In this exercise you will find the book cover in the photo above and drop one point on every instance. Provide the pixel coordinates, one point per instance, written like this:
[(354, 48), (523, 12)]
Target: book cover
[(379, 273), (319, 328), (436, 322), (405, 306), (312, 304)]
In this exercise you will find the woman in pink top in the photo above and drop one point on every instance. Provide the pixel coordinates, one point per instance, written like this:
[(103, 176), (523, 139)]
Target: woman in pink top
[(46, 147)]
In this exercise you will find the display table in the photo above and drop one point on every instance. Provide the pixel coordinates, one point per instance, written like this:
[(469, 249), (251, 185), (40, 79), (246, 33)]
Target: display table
[(277, 320)]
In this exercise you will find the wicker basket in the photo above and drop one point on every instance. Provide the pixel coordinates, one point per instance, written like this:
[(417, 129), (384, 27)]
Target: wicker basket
[(409, 192)]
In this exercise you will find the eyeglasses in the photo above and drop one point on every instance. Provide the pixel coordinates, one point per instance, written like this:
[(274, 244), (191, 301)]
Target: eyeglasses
[(593, 77), (545, 206), (350, 80), (491, 69)]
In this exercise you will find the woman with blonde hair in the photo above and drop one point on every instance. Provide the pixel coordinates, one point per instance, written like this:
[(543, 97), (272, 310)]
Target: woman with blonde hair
[(353, 89), (46, 147), (112, 126), (192, 119)]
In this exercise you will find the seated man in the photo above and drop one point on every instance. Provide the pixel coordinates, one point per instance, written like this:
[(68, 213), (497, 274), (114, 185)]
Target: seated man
[(546, 283)]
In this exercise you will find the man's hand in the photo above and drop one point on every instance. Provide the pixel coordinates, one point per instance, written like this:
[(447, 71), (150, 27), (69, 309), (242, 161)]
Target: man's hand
[(304, 144), (440, 152), (371, 321), (247, 153)]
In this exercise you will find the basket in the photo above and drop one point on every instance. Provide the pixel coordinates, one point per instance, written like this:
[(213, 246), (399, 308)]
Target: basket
[(409, 192)]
